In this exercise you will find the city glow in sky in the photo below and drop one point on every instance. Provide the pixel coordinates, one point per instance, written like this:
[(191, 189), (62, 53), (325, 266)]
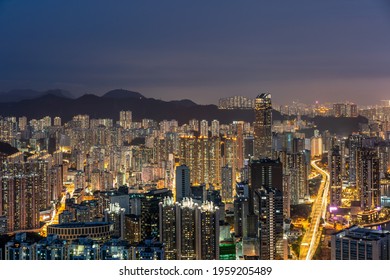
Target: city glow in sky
[(202, 50)]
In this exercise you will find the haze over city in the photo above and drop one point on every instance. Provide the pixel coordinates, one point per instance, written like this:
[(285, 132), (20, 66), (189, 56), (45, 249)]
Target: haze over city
[(298, 50)]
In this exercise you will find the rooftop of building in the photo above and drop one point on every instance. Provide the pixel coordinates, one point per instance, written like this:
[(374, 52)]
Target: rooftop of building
[(265, 160), (359, 233), (117, 242), (264, 95), (79, 225)]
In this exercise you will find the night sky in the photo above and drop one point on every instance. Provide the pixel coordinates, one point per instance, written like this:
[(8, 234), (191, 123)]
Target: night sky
[(304, 50)]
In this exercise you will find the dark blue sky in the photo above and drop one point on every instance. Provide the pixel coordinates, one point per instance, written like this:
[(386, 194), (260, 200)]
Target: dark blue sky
[(302, 50)]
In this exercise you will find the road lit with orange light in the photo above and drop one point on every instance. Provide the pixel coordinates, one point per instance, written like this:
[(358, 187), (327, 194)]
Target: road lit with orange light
[(59, 210), (311, 238)]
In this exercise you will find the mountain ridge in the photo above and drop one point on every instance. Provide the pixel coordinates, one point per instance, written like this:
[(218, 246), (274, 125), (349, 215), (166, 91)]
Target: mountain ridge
[(110, 104), (17, 95)]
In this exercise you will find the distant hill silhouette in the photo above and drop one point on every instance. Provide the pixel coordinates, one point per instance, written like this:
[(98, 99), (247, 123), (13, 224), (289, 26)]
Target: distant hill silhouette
[(23, 94), (340, 126), (122, 94), (184, 103), (109, 105)]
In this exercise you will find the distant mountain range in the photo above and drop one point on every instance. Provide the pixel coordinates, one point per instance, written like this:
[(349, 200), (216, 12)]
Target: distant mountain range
[(61, 103), (17, 95), (109, 105)]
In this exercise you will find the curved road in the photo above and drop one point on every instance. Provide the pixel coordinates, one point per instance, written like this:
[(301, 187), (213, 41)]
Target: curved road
[(311, 239)]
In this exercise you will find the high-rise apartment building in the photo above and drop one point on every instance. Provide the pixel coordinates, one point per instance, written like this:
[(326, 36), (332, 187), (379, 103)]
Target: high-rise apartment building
[(207, 231), (22, 123), (298, 169), (150, 212), (116, 215), (204, 128), (81, 121), (316, 146), (270, 213), (345, 110), (368, 178), (215, 128), (227, 184), (125, 119), (335, 177), (189, 231), (19, 198), (264, 172), (355, 142), (169, 211), (186, 230), (266, 210), (236, 102), (202, 156), (57, 121), (239, 130)]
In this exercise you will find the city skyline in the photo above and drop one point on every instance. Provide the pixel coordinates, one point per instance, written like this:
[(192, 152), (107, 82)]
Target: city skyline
[(140, 188), (303, 51), (191, 130)]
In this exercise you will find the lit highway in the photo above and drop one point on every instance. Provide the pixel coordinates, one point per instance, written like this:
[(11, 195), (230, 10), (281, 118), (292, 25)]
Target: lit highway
[(311, 238), (56, 212)]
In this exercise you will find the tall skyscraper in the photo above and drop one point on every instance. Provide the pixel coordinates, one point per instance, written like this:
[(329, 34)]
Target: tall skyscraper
[(298, 167), (241, 210), (239, 125), (116, 215), (207, 228), (262, 126), (150, 212), (316, 146), (182, 182), (335, 177), (248, 147), (367, 178), (168, 227), (265, 219), (189, 231), (186, 230), (264, 172), (355, 142), (270, 205), (227, 183)]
